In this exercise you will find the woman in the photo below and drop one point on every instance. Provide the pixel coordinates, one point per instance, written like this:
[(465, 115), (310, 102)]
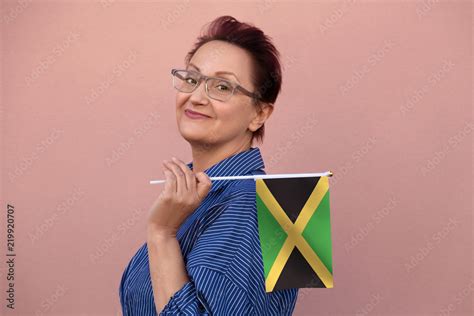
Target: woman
[(203, 254)]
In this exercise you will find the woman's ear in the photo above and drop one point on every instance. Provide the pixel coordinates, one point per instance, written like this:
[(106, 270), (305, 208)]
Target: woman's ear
[(262, 114)]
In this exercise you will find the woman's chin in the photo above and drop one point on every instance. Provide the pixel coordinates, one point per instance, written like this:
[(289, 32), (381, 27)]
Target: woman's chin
[(193, 134)]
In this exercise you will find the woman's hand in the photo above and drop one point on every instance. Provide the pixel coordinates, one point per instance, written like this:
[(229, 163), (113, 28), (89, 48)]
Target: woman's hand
[(183, 192)]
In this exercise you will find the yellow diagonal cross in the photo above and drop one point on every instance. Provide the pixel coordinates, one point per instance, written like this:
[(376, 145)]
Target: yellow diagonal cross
[(294, 232)]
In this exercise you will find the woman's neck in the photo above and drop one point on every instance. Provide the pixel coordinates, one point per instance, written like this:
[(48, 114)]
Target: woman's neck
[(205, 156)]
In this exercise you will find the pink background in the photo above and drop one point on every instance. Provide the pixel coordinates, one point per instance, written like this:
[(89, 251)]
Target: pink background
[(377, 92)]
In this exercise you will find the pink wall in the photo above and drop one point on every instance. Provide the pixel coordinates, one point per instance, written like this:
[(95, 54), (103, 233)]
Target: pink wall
[(377, 92)]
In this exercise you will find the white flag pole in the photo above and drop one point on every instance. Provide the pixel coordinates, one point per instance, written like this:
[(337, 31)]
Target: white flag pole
[(265, 176)]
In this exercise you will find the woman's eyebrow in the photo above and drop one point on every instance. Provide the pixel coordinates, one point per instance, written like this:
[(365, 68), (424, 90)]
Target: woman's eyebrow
[(217, 72)]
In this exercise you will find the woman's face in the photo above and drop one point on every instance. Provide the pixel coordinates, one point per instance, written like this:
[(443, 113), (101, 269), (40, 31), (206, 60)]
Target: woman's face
[(230, 121)]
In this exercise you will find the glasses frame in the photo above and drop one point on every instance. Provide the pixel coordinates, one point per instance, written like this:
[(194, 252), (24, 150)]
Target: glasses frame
[(201, 77)]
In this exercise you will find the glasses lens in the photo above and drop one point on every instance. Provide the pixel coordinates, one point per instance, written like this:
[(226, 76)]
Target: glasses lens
[(220, 89), (185, 81)]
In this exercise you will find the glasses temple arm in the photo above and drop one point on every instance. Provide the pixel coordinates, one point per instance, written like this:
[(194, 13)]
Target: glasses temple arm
[(248, 93)]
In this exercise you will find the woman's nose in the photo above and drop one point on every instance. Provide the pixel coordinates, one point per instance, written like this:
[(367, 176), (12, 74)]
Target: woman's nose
[(199, 95)]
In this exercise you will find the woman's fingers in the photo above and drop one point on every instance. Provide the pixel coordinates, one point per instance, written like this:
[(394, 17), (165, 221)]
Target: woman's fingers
[(181, 187), (189, 175), (187, 183), (170, 181)]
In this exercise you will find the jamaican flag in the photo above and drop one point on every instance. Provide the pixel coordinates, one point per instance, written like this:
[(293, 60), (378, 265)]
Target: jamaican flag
[(295, 232)]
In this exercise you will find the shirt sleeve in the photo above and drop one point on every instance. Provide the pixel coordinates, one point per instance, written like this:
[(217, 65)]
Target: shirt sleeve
[(210, 293), (225, 267)]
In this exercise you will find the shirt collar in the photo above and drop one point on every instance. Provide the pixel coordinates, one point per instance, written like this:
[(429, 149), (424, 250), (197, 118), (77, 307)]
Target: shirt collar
[(239, 164)]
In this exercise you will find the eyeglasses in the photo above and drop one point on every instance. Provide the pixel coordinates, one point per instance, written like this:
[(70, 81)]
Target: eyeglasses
[(216, 88)]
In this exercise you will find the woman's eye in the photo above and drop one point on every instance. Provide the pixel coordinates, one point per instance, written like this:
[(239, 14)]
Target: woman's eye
[(191, 80), (223, 87)]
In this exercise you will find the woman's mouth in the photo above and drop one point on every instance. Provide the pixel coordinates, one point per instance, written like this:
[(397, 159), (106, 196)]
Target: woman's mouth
[(194, 115)]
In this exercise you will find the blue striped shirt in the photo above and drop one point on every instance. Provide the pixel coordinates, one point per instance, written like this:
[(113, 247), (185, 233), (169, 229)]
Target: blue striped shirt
[(221, 250)]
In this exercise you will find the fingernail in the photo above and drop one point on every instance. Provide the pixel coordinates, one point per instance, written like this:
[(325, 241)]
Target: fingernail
[(174, 158)]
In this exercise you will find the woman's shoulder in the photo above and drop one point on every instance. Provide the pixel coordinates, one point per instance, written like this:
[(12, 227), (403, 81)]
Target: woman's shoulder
[(235, 201), (236, 188), (238, 195), (234, 204)]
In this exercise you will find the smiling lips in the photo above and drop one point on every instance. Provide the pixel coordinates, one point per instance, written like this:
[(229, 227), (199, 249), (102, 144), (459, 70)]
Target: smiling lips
[(195, 115)]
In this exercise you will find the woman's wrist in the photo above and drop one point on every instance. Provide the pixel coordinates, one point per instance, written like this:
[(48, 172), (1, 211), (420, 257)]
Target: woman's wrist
[(157, 233)]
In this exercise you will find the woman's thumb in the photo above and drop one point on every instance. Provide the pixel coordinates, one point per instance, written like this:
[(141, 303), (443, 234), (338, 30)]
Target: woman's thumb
[(204, 184)]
